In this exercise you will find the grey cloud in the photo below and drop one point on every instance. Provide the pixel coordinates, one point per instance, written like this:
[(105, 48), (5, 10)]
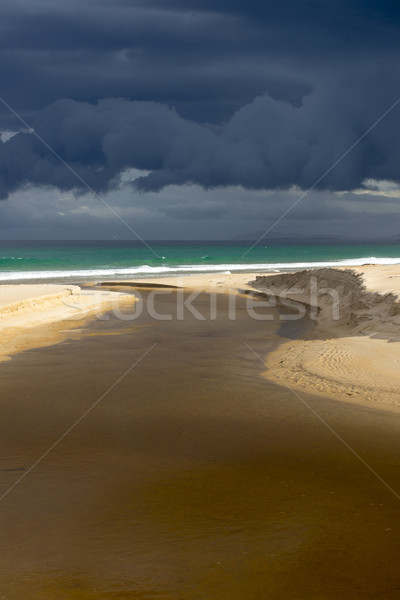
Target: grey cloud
[(205, 58), (37, 213), (216, 93), (268, 144)]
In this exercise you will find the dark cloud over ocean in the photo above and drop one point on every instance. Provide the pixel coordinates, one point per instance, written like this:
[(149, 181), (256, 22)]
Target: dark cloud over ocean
[(267, 144), (263, 95)]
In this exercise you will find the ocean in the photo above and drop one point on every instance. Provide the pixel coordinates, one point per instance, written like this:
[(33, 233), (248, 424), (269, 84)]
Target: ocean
[(90, 260)]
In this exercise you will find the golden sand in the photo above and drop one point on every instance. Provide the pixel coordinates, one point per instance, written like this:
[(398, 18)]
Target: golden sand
[(193, 477), (355, 356), (355, 359), (30, 314)]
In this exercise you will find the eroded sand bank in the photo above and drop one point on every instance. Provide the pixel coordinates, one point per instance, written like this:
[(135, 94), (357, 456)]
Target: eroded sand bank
[(353, 350), (29, 314)]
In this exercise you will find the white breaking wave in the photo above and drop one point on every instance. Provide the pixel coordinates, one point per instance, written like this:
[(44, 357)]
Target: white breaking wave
[(148, 271)]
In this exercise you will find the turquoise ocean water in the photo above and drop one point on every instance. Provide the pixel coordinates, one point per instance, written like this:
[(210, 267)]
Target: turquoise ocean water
[(77, 261)]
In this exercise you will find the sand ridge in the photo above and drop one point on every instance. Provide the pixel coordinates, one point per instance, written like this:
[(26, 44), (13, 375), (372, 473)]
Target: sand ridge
[(353, 354)]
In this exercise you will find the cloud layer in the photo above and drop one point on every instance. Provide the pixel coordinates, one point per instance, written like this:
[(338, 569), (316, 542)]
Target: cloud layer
[(206, 58), (267, 144), (216, 93)]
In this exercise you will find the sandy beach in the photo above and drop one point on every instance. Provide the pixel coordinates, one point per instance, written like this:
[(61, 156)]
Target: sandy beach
[(194, 476), (30, 314), (354, 356)]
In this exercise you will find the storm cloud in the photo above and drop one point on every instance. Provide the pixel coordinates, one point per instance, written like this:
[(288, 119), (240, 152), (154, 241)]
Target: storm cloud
[(267, 144), (211, 93)]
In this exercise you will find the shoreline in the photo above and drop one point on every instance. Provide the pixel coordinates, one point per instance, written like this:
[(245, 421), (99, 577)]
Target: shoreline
[(355, 359)]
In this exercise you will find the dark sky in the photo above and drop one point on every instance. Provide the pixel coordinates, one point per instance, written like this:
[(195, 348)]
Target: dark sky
[(199, 118)]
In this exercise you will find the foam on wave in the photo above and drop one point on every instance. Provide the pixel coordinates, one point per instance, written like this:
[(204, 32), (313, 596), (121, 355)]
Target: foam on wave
[(149, 271)]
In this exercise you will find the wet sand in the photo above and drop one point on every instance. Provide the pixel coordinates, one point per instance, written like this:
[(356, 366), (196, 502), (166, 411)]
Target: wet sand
[(194, 478)]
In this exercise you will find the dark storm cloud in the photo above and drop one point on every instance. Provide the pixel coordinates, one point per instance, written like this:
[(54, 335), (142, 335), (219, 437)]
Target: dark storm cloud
[(192, 60), (267, 144), (205, 58), (288, 86)]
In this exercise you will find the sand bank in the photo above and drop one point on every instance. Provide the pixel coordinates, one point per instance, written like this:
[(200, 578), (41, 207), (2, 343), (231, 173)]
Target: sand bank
[(352, 352), (376, 278), (204, 282), (30, 314)]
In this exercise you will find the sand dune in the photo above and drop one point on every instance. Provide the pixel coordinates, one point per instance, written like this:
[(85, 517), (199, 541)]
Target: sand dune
[(352, 352)]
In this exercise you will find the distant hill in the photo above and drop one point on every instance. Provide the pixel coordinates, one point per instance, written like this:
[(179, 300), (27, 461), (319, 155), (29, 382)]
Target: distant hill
[(395, 239), (275, 238)]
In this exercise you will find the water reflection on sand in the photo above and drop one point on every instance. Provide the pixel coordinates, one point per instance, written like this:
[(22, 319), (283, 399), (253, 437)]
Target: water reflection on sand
[(193, 478)]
